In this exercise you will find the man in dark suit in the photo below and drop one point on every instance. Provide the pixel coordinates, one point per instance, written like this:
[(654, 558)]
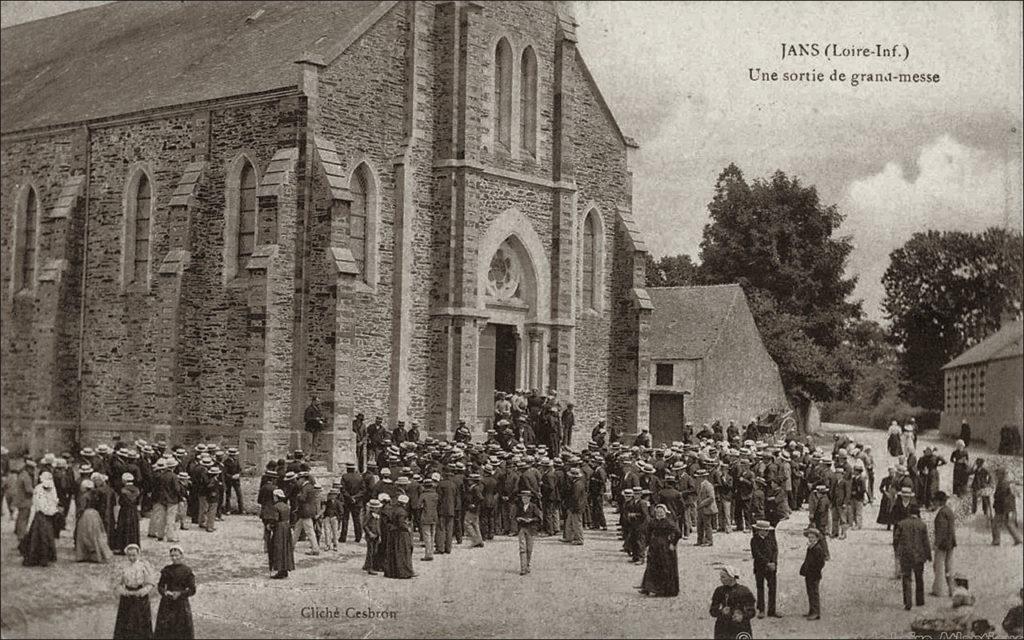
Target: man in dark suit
[(352, 487), (489, 484), (445, 514), (765, 552), (428, 516), (914, 549), (945, 542)]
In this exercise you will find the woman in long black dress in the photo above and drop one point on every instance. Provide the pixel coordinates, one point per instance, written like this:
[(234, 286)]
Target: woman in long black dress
[(887, 488), (282, 547), (38, 548), (961, 470), (132, 582), (127, 530), (661, 577), (399, 556), (105, 500), (177, 584), (380, 557)]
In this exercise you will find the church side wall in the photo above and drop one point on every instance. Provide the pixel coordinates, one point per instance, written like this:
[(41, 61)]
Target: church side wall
[(124, 378), (46, 163), (362, 102), (602, 181)]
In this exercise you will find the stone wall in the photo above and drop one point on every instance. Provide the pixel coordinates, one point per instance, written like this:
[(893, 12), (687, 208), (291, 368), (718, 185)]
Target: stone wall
[(192, 353), (125, 380)]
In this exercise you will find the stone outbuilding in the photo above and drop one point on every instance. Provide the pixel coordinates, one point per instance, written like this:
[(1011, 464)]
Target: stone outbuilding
[(985, 386), (708, 361), (213, 211)]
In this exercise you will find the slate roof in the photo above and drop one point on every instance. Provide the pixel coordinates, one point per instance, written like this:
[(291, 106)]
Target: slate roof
[(130, 56), (1008, 342), (687, 321)]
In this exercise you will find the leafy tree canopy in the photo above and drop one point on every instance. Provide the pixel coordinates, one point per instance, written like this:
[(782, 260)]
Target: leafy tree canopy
[(944, 292), (776, 239)]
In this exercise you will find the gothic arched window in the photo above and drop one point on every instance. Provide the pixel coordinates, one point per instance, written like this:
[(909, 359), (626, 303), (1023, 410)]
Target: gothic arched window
[(528, 102), (246, 214), (26, 238), (143, 214), (503, 94), (589, 266)]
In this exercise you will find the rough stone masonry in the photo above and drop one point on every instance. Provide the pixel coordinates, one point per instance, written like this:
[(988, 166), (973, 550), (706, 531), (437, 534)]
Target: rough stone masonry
[(428, 176)]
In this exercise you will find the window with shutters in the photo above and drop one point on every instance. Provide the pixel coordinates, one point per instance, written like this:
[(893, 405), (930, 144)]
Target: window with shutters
[(26, 239), (503, 94), (528, 102)]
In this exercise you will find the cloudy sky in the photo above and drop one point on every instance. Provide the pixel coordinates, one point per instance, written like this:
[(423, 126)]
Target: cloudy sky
[(895, 158)]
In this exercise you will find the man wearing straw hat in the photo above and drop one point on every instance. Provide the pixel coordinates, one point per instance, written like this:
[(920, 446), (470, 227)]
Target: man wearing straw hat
[(706, 509), (765, 551)]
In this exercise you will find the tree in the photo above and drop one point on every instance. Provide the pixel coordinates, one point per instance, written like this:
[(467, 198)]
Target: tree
[(671, 271), (945, 292), (775, 239)]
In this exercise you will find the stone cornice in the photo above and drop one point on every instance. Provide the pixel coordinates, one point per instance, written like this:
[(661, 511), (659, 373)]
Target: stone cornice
[(516, 176)]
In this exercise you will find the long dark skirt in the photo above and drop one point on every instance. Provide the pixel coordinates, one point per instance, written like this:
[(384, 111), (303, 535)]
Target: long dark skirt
[(661, 577), (282, 549), (399, 555), (134, 619), (381, 552), (960, 475), (38, 547), (883, 511), (174, 619), (127, 530)]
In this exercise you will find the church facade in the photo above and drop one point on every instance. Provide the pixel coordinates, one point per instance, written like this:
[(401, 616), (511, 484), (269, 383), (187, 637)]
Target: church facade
[(213, 212)]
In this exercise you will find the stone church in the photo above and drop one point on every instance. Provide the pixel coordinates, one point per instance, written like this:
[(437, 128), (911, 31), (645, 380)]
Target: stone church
[(212, 212)]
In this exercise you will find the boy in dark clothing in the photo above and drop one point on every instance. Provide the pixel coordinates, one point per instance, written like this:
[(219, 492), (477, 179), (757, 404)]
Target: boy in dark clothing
[(811, 569)]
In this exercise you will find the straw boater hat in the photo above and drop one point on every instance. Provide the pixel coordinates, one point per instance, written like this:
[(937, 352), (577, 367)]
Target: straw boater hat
[(764, 525), (907, 492), (811, 531)]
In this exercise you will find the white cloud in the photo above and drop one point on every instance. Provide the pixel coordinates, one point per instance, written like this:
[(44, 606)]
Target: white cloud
[(956, 187)]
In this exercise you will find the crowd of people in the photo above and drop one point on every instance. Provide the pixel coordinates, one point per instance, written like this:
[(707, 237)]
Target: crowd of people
[(525, 480)]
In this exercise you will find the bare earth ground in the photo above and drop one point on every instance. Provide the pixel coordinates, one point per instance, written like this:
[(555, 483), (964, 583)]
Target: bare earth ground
[(586, 591)]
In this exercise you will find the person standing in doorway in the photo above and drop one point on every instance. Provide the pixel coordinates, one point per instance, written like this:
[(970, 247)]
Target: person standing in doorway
[(314, 421), (359, 429)]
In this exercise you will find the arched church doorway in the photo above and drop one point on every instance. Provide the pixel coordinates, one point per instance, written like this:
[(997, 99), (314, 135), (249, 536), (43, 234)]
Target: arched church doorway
[(510, 295)]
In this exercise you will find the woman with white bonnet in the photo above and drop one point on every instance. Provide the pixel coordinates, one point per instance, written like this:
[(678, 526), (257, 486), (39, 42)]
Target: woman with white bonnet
[(133, 580), (127, 530), (177, 584), (39, 548), (961, 470)]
